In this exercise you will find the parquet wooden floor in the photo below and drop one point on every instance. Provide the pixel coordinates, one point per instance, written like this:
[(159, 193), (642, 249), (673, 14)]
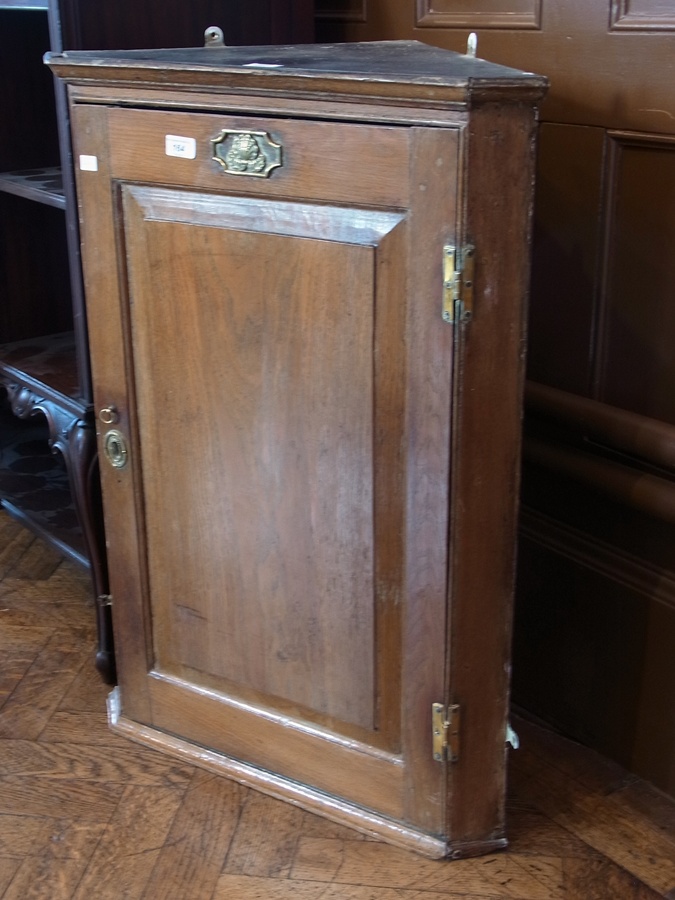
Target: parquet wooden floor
[(87, 815)]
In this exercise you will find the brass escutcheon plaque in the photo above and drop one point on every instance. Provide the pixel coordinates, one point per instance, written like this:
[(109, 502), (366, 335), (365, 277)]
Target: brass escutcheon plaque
[(115, 448), (247, 153)]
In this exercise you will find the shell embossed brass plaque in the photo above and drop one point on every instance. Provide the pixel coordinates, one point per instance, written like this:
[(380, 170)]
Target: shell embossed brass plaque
[(247, 153)]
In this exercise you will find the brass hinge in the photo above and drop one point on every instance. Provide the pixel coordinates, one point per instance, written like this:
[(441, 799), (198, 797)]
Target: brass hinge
[(458, 283), (104, 600), (445, 732)]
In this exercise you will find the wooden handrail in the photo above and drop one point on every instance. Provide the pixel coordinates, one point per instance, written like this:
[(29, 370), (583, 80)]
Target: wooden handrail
[(640, 490), (649, 439)]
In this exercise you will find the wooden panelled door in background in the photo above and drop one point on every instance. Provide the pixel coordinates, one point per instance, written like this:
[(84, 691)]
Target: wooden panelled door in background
[(595, 612)]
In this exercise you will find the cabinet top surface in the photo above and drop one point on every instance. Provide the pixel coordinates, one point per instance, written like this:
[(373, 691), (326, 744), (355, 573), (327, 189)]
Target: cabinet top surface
[(410, 65)]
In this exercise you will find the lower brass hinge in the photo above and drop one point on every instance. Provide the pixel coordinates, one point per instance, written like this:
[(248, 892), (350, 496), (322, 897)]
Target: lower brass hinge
[(445, 732), (458, 283)]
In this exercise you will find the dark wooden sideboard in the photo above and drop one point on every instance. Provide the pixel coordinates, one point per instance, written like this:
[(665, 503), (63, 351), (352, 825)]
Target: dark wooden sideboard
[(306, 271), (48, 462)]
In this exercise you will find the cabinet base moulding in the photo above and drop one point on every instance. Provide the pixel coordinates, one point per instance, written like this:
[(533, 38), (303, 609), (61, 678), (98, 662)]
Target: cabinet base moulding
[(280, 788)]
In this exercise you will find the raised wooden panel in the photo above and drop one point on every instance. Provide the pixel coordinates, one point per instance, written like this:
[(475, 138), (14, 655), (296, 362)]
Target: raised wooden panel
[(596, 596), (594, 628), (643, 15), (566, 251), (341, 10), (636, 333), (284, 347), (484, 14), (579, 647)]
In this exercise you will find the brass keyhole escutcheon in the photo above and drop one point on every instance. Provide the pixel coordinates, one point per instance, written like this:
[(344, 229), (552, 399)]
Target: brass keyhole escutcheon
[(115, 448)]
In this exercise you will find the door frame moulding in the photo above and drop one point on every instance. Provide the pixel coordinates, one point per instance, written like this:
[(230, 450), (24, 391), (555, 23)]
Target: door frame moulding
[(624, 17), (582, 549), (616, 142), (454, 14)]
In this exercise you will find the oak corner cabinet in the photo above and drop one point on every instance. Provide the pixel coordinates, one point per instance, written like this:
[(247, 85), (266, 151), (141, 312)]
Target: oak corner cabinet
[(305, 275)]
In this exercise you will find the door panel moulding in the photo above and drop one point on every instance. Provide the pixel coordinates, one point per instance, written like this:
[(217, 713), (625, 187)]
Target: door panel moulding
[(582, 549), (524, 15)]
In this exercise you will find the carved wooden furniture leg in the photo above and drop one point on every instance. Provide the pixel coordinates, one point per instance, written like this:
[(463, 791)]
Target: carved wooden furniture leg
[(72, 435)]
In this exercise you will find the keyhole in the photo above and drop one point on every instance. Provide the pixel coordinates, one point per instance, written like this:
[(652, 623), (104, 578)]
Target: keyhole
[(115, 448)]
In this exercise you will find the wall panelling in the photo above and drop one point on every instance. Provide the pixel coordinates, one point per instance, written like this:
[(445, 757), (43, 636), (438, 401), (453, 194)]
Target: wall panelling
[(636, 320), (482, 14), (642, 15)]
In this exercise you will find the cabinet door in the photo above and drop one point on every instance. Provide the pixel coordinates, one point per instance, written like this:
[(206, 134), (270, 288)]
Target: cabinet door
[(278, 528)]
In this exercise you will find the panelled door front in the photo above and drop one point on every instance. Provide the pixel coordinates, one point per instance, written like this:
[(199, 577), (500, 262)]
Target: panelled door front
[(277, 476)]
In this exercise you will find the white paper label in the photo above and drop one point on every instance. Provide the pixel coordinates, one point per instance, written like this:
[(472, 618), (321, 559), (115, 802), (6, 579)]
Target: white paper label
[(89, 163), (185, 147)]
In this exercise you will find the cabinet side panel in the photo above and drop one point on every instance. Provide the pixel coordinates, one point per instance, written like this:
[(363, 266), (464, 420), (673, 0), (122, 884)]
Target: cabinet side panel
[(486, 472)]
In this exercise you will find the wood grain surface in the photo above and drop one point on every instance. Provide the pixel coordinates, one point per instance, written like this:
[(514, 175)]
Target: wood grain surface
[(86, 814)]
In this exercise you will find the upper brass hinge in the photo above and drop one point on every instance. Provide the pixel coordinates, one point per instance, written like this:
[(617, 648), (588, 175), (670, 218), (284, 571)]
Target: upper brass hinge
[(458, 283), (445, 732)]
